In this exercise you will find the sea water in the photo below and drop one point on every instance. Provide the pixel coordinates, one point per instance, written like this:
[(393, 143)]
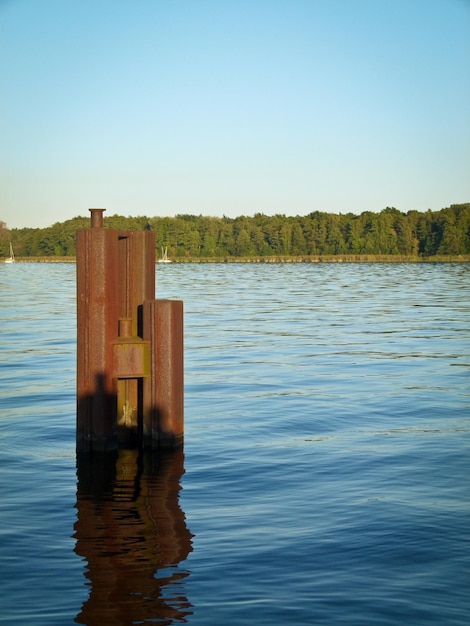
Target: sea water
[(325, 472)]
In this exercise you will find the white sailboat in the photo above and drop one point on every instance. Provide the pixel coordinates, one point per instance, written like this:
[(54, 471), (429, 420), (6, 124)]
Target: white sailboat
[(164, 258), (11, 258)]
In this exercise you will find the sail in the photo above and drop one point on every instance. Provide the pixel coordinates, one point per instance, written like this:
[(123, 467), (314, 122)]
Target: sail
[(11, 258)]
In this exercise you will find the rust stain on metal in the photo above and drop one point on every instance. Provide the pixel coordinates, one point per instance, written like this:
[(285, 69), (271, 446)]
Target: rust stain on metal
[(131, 359)]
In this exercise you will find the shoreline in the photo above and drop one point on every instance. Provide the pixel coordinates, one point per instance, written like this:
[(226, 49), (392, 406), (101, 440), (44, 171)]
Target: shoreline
[(339, 258)]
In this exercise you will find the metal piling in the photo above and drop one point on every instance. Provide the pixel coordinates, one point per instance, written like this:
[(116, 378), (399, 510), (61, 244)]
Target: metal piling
[(129, 345)]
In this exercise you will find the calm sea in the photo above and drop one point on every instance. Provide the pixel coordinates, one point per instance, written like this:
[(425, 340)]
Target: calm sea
[(325, 474)]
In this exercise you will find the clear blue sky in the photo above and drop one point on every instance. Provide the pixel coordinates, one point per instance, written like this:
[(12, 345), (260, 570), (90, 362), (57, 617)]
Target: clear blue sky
[(231, 107)]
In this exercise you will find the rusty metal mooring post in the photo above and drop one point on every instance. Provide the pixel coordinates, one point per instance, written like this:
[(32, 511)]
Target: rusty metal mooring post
[(129, 345)]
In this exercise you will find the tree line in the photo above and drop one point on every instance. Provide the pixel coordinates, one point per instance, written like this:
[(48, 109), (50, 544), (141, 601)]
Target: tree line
[(389, 232)]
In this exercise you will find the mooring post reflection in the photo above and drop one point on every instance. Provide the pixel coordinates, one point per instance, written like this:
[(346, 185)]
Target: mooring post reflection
[(133, 535)]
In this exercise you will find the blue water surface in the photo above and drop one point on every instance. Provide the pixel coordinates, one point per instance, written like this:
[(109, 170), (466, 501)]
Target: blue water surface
[(324, 478)]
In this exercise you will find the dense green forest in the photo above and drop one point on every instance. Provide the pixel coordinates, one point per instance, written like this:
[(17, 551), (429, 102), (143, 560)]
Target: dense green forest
[(390, 232)]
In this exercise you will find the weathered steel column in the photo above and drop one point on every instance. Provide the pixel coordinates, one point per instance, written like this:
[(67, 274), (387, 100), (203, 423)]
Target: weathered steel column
[(97, 314), (129, 346), (163, 402)]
